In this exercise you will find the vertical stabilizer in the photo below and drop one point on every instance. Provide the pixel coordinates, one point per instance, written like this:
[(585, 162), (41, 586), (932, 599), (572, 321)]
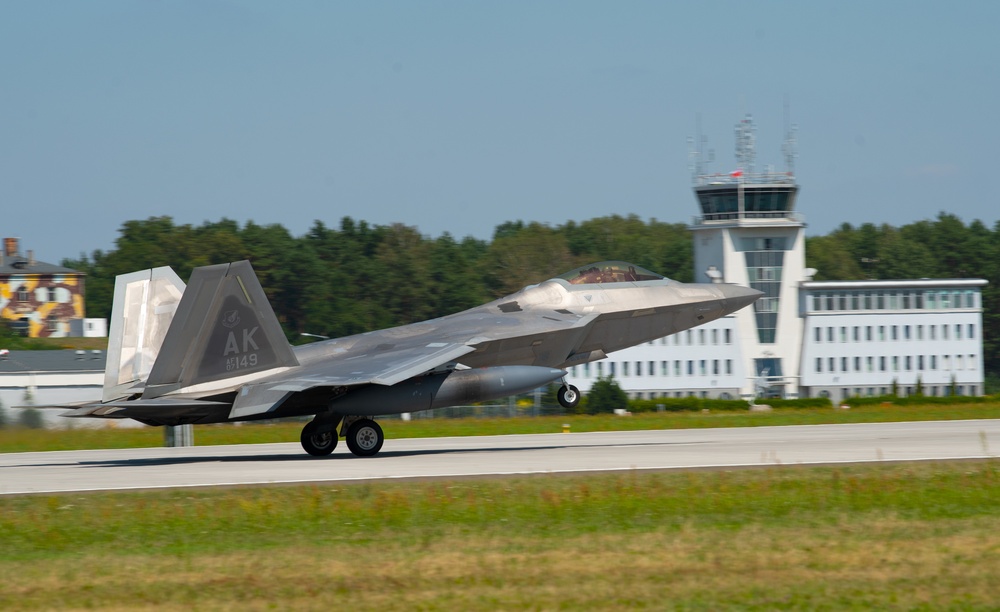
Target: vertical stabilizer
[(144, 304), (224, 327)]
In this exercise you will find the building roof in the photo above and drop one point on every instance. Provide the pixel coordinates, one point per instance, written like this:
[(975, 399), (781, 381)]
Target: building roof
[(52, 361), (923, 283), (15, 265)]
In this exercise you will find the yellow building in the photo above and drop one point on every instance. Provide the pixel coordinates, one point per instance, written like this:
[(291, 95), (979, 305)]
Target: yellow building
[(38, 298)]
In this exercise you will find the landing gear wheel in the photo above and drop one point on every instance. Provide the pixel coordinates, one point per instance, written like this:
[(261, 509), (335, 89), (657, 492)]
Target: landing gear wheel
[(318, 444), (365, 437), (568, 396)]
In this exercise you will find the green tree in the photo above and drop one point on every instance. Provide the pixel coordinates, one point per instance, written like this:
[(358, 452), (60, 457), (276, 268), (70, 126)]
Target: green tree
[(605, 396)]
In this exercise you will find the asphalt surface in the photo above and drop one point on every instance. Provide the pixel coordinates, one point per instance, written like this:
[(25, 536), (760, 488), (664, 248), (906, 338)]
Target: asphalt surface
[(149, 468)]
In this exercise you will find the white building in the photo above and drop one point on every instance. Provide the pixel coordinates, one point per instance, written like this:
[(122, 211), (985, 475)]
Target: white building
[(40, 378), (803, 338)]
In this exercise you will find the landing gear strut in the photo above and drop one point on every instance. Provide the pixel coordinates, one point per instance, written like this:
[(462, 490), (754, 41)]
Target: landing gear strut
[(568, 396)]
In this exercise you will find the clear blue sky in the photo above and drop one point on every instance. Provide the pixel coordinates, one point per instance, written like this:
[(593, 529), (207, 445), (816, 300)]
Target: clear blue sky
[(457, 116)]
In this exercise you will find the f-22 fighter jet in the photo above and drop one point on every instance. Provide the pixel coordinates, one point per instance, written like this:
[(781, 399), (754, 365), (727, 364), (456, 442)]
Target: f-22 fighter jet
[(213, 351)]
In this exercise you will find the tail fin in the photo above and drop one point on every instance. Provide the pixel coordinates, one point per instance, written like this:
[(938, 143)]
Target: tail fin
[(224, 327), (144, 305)]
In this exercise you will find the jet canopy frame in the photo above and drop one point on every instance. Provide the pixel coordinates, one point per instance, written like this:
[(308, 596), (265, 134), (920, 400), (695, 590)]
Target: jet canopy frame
[(607, 272)]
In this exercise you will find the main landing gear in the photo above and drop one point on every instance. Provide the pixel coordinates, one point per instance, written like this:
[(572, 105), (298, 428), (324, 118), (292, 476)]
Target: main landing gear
[(568, 396), (364, 436)]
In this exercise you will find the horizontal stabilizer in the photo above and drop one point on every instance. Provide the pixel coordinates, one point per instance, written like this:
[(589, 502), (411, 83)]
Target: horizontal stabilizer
[(160, 410)]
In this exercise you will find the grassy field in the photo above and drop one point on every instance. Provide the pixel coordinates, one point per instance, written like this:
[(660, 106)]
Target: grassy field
[(19, 440), (918, 536)]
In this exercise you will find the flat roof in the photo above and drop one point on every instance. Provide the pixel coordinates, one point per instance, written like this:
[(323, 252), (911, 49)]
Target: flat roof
[(923, 283), (52, 361)]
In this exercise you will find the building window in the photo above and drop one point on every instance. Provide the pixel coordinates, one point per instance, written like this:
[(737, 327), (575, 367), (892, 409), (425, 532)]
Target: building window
[(701, 337), (624, 369), (715, 367), (729, 366), (727, 336), (665, 368), (702, 368), (881, 333), (895, 363), (868, 333), (843, 364), (909, 363), (829, 334), (906, 332), (677, 368), (22, 294), (715, 336), (870, 362), (611, 369), (857, 334), (958, 332), (832, 364), (843, 334), (819, 334), (972, 331), (881, 364), (933, 362), (920, 332), (920, 363), (690, 367)]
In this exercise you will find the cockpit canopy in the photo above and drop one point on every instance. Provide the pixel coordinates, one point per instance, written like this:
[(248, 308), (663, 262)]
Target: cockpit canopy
[(609, 272)]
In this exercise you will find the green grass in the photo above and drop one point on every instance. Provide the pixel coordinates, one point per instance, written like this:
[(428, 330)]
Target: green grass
[(917, 536), (20, 440)]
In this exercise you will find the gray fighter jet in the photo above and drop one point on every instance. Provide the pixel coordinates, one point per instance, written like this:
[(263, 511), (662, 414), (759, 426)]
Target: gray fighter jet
[(213, 351)]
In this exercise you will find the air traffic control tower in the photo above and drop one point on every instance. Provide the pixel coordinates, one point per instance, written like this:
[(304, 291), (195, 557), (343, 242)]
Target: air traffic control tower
[(748, 233)]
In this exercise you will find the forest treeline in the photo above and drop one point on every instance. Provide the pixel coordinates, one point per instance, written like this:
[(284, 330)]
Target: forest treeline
[(358, 277)]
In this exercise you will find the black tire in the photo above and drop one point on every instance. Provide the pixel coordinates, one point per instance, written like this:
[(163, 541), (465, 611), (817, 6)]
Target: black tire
[(365, 438), (568, 396), (318, 444)]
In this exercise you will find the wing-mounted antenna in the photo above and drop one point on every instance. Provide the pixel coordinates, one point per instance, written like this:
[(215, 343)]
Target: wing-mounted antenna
[(143, 307), (224, 328)]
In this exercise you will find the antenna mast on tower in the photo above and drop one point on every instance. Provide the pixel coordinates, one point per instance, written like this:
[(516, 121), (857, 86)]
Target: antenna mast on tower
[(697, 156), (791, 145), (746, 145)]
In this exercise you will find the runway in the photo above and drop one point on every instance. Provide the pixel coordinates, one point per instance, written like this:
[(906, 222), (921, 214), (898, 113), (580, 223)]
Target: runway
[(198, 466)]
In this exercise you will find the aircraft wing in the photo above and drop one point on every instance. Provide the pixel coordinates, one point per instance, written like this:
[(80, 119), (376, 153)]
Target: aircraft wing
[(379, 366), (387, 357)]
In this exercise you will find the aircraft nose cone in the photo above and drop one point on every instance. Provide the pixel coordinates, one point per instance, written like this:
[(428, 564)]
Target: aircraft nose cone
[(738, 297)]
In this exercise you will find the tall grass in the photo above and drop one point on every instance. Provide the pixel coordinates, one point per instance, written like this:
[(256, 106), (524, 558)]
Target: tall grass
[(865, 537)]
